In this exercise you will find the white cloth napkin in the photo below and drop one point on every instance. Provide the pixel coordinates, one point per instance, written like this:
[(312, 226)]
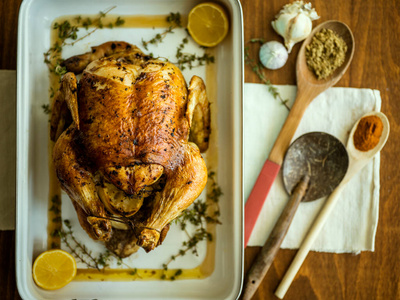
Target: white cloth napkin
[(7, 149), (352, 225)]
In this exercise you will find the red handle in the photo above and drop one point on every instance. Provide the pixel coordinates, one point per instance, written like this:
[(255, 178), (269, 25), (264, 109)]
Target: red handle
[(257, 197)]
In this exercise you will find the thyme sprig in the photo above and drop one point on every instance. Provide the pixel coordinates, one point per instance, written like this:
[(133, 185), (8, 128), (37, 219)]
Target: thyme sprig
[(184, 59), (174, 21), (257, 68), (189, 60), (96, 23), (80, 251), (199, 215), (68, 35)]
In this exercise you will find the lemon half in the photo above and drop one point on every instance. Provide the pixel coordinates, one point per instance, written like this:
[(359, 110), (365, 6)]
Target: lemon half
[(54, 269), (208, 24)]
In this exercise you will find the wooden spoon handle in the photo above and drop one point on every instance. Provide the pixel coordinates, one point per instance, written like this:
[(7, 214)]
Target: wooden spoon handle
[(289, 127), (256, 199), (271, 167), (270, 249), (308, 241)]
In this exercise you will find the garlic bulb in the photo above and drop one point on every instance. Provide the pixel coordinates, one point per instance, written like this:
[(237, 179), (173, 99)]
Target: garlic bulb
[(273, 55), (294, 22)]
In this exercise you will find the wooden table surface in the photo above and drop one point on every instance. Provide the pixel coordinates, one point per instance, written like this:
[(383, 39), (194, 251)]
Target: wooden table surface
[(376, 65)]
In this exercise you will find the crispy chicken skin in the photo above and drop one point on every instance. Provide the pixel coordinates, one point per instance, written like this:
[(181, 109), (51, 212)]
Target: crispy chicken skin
[(130, 119)]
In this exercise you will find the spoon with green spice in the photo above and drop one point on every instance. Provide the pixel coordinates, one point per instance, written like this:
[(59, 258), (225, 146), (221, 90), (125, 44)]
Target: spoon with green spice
[(308, 87)]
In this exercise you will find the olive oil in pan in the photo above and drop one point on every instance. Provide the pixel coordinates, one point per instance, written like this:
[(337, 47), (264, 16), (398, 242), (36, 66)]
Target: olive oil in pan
[(54, 202), (54, 206), (206, 268), (138, 274)]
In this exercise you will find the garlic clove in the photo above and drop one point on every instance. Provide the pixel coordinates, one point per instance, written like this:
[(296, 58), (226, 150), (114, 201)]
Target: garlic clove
[(294, 22), (282, 24), (303, 28), (299, 32), (273, 55)]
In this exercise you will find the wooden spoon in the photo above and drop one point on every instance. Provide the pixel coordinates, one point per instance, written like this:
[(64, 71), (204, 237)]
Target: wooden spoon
[(308, 87), (358, 159)]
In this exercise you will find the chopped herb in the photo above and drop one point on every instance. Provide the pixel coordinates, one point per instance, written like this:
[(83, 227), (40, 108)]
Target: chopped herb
[(134, 272), (59, 70), (54, 233), (174, 18), (51, 91), (46, 108), (57, 220), (55, 209), (119, 22)]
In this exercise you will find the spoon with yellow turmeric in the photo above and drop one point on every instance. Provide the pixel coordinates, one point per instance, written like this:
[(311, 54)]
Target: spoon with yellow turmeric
[(367, 138)]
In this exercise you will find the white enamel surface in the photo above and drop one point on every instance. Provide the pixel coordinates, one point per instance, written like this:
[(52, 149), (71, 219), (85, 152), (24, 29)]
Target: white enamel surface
[(35, 20)]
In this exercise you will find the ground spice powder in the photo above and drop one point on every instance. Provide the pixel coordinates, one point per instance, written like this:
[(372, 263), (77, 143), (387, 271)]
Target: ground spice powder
[(325, 53), (368, 133)]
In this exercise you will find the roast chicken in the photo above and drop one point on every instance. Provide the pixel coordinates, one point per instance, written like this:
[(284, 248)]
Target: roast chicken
[(127, 148)]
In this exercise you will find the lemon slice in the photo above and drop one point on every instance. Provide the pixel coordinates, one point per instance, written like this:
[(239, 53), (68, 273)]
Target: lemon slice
[(54, 269), (208, 24)]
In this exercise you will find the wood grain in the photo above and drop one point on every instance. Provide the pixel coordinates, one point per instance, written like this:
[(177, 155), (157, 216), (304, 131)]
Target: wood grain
[(8, 289), (376, 64), (8, 33)]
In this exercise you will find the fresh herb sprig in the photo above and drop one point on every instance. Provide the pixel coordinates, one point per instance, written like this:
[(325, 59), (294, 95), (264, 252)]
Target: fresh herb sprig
[(189, 60), (46, 108), (257, 68), (184, 60), (97, 23), (80, 251), (68, 35), (199, 215), (174, 21)]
